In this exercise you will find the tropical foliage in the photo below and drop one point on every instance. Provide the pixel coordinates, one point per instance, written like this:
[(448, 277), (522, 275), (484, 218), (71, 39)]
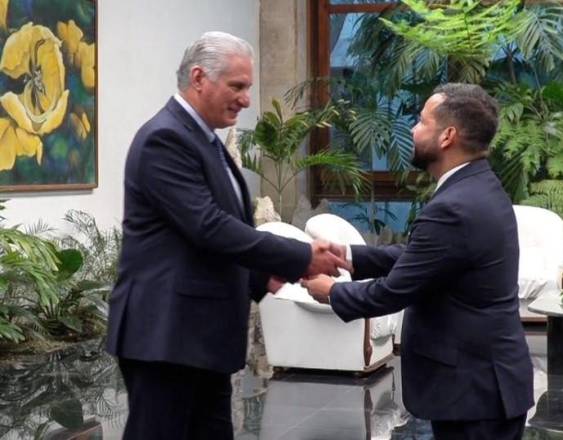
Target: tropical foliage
[(100, 248), (43, 293), (278, 138), (529, 145), (515, 52), (47, 92)]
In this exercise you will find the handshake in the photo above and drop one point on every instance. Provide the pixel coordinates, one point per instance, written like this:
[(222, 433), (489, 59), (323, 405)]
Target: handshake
[(321, 232), (326, 259)]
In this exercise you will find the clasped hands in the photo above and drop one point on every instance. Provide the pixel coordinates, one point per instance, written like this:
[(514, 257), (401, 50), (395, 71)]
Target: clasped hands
[(326, 259)]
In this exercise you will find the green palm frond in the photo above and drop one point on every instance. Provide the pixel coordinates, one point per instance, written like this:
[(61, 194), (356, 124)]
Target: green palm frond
[(401, 145), (100, 248), (555, 164), (294, 95), (408, 56), (528, 145), (538, 35), (462, 27), (10, 332), (36, 250), (279, 137), (517, 153), (40, 227), (30, 258), (249, 155), (467, 70), (546, 194), (343, 166), (371, 130)]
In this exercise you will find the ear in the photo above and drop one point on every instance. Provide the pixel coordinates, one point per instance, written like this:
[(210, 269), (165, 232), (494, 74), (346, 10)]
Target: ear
[(448, 137), (197, 76)]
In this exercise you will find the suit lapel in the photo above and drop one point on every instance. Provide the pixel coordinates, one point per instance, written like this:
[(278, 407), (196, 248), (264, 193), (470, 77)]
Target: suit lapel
[(219, 172), (475, 167), (247, 207)]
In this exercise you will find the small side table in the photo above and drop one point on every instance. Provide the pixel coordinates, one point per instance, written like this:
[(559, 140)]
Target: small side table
[(549, 408), (550, 305)]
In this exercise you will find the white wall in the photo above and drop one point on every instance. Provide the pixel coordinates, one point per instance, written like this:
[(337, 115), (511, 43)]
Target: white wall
[(140, 44)]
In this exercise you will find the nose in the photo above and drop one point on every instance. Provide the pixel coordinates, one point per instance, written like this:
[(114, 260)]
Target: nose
[(244, 99)]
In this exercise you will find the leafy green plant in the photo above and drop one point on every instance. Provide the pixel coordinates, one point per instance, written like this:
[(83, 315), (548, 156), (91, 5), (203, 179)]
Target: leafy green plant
[(370, 125), (278, 138), (100, 248), (80, 310), (546, 194), (514, 50), (465, 31), (528, 146), (41, 295), (9, 330), (24, 260), (368, 216)]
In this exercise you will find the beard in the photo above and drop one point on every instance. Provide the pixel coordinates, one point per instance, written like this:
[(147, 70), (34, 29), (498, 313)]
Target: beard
[(423, 156)]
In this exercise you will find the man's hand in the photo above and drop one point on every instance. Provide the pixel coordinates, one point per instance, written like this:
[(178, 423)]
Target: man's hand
[(275, 284), (319, 287), (324, 261), (339, 250)]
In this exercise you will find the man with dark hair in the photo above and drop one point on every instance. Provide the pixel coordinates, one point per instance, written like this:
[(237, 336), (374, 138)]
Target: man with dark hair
[(465, 362)]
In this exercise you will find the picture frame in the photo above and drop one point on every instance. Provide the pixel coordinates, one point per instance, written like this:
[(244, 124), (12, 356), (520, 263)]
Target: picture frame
[(48, 95)]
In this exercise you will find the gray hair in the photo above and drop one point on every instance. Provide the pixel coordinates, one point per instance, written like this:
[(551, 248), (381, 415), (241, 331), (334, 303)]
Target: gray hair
[(210, 52)]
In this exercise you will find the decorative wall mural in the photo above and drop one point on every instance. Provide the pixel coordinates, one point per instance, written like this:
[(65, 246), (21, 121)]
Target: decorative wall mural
[(47, 95)]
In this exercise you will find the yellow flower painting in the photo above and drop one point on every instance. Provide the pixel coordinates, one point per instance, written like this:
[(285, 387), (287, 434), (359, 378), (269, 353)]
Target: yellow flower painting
[(47, 95)]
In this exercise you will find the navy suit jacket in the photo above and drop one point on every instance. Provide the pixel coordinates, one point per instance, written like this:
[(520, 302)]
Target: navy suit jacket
[(463, 351), (191, 258)]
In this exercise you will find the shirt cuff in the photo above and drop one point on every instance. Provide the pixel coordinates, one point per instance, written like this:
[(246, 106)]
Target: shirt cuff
[(349, 253)]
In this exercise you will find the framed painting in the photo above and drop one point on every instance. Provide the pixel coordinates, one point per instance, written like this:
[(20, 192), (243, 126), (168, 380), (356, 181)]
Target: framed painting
[(48, 109)]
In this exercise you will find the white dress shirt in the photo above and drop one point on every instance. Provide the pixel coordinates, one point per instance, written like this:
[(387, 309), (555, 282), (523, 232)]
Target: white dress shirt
[(447, 175), (210, 134)]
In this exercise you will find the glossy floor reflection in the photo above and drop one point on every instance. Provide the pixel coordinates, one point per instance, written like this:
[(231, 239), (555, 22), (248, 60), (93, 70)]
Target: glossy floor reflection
[(80, 392)]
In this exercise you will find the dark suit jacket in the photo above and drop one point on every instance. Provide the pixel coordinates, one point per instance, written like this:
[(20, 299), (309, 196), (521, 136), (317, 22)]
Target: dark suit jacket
[(463, 351), (191, 257)]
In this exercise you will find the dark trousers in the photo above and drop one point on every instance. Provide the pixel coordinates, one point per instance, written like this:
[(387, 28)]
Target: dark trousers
[(508, 429), (168, 401)]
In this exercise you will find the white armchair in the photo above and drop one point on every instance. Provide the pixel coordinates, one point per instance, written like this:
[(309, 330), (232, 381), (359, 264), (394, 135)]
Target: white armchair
[(299, 332), (540, 235)]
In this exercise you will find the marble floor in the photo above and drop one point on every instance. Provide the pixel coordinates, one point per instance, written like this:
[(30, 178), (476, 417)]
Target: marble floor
[(80, 391)]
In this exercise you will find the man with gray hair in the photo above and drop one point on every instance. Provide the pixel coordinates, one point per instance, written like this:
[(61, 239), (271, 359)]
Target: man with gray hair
[(191, 259)]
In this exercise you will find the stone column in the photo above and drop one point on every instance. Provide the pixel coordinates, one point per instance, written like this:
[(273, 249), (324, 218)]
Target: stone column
[(283, 64)]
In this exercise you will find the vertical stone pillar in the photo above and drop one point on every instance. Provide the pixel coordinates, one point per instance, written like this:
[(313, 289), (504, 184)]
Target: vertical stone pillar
[(283, 64)]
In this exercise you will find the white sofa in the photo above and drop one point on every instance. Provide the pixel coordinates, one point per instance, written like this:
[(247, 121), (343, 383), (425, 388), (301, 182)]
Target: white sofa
[(540, 235), (302, 333)]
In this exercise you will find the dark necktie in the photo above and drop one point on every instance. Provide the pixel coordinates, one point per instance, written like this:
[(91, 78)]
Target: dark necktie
[(220, 150)]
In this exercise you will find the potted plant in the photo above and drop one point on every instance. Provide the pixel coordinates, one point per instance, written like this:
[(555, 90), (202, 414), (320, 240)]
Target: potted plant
[(278, 138)]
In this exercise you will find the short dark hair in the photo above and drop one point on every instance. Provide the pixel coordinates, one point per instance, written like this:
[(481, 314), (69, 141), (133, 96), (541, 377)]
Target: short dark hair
[(472, 111)]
